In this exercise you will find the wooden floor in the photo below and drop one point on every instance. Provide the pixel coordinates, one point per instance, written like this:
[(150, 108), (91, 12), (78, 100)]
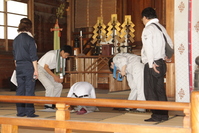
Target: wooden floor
[(103, 115)]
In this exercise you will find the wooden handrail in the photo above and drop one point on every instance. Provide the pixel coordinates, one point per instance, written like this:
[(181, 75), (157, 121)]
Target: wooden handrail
[(93, 126), (63, 124), (162, 105), (194, 111)]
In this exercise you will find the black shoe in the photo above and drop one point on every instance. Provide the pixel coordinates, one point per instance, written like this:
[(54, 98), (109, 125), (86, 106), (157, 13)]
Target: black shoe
[(152, 120), (53, 106), (165, 119), (120, 109), (21, 115), (46, 106), (33, 115)]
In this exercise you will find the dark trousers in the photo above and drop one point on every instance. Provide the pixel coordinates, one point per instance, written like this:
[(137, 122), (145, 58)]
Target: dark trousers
[(154, 89), (26, 87)]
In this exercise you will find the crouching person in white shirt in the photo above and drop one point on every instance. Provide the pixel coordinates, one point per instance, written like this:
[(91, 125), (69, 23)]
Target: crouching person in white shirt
[(83, 90)]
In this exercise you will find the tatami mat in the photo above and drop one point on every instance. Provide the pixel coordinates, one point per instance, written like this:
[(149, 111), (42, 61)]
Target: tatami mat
[(138, 118)]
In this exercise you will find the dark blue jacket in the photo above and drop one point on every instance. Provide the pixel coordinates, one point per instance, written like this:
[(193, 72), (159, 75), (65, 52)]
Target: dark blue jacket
[(24, 50)]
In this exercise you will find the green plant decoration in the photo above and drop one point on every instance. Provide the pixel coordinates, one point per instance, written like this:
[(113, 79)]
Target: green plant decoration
[(60, 11)]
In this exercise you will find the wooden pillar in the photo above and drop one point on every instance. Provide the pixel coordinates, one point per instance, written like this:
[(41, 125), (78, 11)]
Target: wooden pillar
[(170, 75), (195, 111), (5, 128), (186, 121), (5, 29), (62, 114), (170, 80), (70, 21), (31, 13)]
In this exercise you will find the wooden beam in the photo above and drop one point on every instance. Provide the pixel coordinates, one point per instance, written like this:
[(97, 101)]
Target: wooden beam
[(170, 18), (194, 112), (5, 28), (170, 78), (92, 126), (7, 128), (162, 105), (69, 20), (62, 114), (31, 13)]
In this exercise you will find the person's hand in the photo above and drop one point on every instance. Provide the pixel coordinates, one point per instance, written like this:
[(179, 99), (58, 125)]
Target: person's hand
[(57, 79), (35, 75), (61, 80), (123, 70), (167, 59), (123, 73), (154, 68)]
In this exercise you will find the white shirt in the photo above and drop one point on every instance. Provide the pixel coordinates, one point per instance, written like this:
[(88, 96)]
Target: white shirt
[(132, 62), (153, 42), (49, 59)]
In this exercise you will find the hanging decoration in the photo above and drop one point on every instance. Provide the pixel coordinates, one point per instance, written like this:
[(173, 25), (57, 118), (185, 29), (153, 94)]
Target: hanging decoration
[(99, 35), (127, 34), (120, 37), (113, 32), (57, 31)]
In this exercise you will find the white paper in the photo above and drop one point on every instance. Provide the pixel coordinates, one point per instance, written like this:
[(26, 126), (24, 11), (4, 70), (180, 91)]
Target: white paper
[(14, 78)]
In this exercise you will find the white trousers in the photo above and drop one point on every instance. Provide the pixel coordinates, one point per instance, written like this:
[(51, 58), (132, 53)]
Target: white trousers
[(136, 84), (53, 89), (135, 78)]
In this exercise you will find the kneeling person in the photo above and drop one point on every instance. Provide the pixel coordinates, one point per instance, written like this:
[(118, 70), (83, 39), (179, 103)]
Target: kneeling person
[(83, 90)]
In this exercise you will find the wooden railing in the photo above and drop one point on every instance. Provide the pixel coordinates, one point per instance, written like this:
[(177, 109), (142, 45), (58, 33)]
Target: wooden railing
[(90, 64), (63, 124), (95, 70)]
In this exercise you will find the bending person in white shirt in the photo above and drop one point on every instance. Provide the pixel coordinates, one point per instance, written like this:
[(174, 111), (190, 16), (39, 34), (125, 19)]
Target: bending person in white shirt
[(83, 90), (52, 82), (130, 66)]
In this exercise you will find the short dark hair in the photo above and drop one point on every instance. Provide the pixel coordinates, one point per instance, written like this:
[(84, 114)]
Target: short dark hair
[(67, 49), (109, 64), (25, 25), (149, 13)]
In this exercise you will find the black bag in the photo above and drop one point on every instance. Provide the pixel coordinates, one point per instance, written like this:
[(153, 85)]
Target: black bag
[(168, 50)]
